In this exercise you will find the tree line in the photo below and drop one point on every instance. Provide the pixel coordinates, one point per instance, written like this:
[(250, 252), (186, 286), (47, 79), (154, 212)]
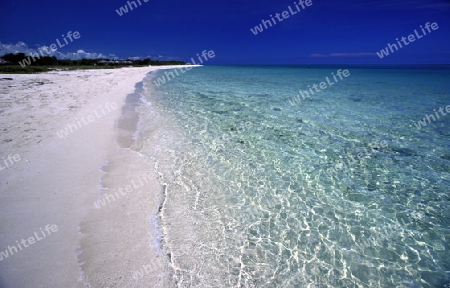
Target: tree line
[(14, 59)]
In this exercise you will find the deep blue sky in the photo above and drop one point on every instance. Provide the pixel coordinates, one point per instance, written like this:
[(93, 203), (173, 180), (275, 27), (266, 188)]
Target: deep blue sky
[(329, 31)]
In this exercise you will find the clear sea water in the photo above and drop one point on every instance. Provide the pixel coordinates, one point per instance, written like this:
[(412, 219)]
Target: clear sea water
[(262, 193)]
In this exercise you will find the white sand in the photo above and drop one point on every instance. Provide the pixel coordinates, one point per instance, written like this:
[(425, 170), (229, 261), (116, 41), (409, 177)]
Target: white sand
[(56, 182)]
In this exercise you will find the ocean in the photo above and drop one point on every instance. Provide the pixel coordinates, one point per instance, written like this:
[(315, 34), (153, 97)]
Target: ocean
[(346, 187)]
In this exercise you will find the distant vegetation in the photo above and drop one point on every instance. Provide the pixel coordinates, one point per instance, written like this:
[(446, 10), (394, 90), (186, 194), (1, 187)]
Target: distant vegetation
[(9, 63)]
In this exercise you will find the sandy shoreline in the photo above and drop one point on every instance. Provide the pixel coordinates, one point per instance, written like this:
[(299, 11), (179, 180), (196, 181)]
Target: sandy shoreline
[(56, 182)]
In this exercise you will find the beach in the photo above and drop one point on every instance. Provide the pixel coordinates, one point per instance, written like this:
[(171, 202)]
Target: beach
[(231, 144), (220, 177), (55, 178)]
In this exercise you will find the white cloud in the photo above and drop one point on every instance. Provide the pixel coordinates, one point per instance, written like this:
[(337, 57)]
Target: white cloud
[(21, 47), (14, 48)]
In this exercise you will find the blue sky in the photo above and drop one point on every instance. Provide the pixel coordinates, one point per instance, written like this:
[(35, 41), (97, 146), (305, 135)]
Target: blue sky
[(327, 32)]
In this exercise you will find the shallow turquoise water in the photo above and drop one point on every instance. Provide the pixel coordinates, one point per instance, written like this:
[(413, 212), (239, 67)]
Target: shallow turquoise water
[(262, 193)]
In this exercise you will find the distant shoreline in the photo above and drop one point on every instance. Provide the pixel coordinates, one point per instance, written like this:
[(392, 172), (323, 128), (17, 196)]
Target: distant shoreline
[(13, 64)]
